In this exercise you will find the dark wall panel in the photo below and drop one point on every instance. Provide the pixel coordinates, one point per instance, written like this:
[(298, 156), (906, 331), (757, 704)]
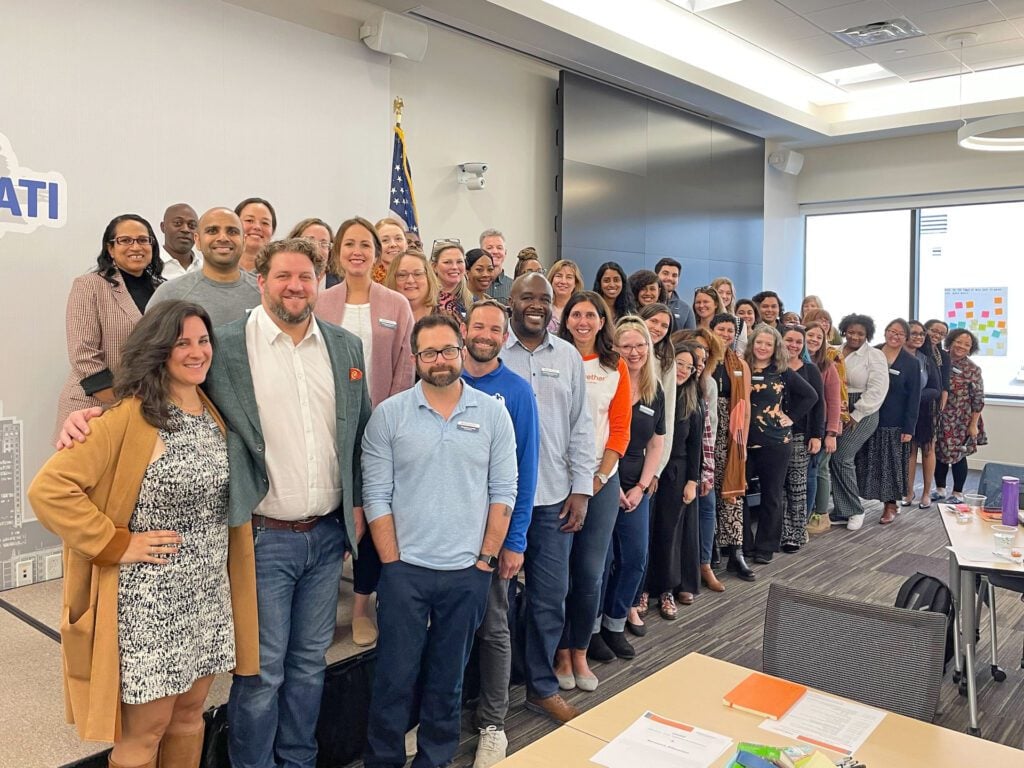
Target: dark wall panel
[(641, 180)]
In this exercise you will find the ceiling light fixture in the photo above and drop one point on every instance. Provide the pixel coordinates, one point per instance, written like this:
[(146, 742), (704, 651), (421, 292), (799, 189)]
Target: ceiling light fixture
[(860, 74), (699, 6), (1000, 133)]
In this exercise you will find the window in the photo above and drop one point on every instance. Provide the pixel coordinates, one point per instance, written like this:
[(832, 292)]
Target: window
[(968, 271)]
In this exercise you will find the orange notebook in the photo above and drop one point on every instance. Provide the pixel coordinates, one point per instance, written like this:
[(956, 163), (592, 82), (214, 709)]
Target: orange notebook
[(763, 695)]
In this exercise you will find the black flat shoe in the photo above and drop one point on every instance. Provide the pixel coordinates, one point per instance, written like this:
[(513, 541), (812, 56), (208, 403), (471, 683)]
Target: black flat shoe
[(638, 630), (598, 649), (618, 644), (738, 565), (790, 548), (763, 558)]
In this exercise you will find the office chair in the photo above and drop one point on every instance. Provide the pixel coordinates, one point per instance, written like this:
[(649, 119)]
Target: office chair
[(885, 657), (991, 483)]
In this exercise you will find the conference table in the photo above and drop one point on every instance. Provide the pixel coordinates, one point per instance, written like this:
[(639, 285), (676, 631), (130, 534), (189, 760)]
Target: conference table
[(691, 690), (970, 553)]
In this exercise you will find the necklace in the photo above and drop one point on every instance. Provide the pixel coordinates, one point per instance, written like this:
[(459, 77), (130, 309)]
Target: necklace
[(193, 411)]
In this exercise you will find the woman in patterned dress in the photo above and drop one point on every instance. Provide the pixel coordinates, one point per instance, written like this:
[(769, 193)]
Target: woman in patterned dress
[(960, 428), (142, 509)]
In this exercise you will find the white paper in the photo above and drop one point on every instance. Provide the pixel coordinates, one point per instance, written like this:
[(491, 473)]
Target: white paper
[(827, 722), (654, 741)]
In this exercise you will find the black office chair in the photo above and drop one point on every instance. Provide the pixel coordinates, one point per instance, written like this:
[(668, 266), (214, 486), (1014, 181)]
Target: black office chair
[(885, 657)]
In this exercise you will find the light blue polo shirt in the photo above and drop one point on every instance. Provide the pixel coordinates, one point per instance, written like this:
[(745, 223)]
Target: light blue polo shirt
[(437, 477)]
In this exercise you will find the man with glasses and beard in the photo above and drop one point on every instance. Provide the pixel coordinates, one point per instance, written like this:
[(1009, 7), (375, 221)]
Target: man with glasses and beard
[(486, 331), (438, 527)]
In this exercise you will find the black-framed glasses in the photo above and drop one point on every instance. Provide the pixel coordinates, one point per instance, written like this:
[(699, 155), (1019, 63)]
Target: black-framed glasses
[(430, 355), (125, 241), (917, 334)]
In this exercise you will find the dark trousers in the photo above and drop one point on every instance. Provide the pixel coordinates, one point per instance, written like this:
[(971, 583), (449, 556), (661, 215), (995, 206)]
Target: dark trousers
[(768, 463), (959, 474), (675, 536), (427, 620), (366, 568), (627, 560)]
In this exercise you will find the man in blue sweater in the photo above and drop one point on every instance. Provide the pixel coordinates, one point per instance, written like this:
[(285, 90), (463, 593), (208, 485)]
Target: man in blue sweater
[(485, 331)]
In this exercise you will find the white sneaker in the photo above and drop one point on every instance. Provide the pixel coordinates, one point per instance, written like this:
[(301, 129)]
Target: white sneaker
[(491, 748), (855, 522)]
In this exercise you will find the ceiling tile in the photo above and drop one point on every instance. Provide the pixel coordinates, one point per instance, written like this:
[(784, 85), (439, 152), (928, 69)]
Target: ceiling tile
[(960, 17), (913, 46), (993, 51), (987, 33), (1013, 61), (829, 62), (870, 84), (918, 64), (934, 73), (1012, 9), (909, 7), (760, 21), (810, 6), (809, 47), (852, 15)]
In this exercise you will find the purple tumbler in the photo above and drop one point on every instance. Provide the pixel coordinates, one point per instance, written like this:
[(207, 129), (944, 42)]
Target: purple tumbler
[(1011, 493)]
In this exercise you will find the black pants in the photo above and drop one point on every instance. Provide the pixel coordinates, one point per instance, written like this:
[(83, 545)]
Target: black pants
[(959, 474), (675, 536), (366, 569), (768, 463)]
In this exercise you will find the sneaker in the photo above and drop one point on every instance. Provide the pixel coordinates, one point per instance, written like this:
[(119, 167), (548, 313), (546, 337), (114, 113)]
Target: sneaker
[(491, 748), (855, 522)]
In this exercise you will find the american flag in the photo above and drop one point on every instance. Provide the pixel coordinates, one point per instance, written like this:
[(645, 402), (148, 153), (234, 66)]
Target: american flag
[(402, 201)]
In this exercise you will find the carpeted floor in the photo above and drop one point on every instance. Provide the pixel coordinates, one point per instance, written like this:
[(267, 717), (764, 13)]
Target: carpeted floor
[(869, 565)]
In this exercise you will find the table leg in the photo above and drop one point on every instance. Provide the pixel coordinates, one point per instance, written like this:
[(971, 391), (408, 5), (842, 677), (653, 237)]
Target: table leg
[(954, 588), (967, 619)]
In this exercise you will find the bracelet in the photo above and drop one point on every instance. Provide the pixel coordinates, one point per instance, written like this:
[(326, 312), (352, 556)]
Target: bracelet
[(831, 434)]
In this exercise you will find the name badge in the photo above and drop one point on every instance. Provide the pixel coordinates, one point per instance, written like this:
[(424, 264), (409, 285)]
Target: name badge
[(738, 374), (467, 426), (645, 409), (894, 372), (388, 323), (552, 372), (757, 378), (956, 370)]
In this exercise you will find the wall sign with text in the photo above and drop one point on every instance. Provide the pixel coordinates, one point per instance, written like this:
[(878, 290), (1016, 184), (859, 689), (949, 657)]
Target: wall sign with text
[(29, 199)]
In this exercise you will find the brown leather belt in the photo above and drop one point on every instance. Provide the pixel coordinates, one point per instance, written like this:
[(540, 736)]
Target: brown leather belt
[(296, 526)]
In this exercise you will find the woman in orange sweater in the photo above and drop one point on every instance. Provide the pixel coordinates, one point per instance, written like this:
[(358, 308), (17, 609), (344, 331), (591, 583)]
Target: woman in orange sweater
[(585, 325)]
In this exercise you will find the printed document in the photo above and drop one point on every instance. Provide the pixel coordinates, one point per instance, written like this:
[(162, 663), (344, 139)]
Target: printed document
[(657, 742), (827, 722)]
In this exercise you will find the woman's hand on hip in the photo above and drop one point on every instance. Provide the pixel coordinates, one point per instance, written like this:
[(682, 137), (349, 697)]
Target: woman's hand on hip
[(151, 547)]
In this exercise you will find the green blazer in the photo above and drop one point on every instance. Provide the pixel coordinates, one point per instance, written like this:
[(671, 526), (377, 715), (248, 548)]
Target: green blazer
[(229, 386)]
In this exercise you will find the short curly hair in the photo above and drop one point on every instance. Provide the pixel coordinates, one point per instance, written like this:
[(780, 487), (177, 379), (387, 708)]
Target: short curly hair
[(856, 319), (956, 333)]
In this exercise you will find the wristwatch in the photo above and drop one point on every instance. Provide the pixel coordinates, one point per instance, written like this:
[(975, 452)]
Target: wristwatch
[(602, 477), (831, 434), (491, 561)]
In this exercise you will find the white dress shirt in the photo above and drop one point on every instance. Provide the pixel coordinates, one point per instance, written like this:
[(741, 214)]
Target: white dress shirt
[(867, 373), (357, 320), (172, 267), (295, 397)]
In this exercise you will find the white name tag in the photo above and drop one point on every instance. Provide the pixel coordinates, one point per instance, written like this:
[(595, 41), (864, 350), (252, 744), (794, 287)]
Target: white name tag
[(552, 372), (467, 426), (894, 372), (645, 409), (956, 370), (738, 373), (388, 323), (757, 378)]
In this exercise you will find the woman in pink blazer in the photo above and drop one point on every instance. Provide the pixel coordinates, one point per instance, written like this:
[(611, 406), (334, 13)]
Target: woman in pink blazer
[(103, 307), (382, 319)]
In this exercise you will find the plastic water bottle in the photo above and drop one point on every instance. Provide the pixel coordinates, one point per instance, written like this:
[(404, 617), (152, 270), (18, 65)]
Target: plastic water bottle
[(1011, 493)]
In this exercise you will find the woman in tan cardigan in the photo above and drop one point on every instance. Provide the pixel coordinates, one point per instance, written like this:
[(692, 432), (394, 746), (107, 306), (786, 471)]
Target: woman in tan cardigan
[(159, 594)]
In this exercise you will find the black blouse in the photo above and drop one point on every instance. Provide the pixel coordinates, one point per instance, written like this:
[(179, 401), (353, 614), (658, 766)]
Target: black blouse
[(772, 394)]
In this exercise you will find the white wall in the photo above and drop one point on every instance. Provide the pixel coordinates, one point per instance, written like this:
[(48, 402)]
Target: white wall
[(468, 101), (931, 164), (783, 235)]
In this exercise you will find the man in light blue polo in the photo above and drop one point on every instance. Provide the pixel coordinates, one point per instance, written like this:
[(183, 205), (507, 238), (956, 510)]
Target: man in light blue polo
[(439, 483)]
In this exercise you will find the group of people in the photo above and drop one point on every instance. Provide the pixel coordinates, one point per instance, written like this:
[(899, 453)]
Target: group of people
[(240, 420)]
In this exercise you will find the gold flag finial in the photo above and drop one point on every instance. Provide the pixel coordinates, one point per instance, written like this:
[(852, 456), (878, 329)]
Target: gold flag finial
[(398, 106)]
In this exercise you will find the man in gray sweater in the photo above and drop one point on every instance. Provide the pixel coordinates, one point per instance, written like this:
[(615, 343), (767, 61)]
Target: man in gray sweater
[(221, 288)]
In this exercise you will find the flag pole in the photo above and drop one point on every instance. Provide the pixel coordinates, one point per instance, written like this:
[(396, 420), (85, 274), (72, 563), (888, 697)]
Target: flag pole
[(398, 105)]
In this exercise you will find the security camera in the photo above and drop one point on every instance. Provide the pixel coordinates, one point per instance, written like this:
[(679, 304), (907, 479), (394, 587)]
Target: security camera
[(477, 169)]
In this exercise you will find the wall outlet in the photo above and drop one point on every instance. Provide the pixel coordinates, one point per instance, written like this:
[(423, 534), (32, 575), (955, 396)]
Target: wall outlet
[(23, 573), (54, 566)]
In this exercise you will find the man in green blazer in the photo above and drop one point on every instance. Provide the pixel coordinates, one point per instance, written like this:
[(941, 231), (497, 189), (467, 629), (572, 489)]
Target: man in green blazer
[(292, 390)]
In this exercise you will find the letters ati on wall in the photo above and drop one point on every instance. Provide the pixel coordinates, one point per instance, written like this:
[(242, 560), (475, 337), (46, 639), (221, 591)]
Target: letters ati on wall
[(29, 199)]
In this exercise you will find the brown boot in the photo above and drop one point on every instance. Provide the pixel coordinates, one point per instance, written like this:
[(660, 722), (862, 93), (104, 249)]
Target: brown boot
[(707, 575), (181, 750)]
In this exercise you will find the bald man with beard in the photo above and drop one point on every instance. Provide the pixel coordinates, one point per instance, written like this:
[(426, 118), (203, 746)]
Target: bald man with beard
[(220, 287)]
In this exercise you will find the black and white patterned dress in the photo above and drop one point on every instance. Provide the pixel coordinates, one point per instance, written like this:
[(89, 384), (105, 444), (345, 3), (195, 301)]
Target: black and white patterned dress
[(174, 620)]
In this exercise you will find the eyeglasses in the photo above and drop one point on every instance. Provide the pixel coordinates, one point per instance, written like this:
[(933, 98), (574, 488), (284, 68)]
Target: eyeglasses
[(917, 334), (125, 241), (322, 244), (629, 349), (430, 355), (418, 274), (896, 333), (684, 367)]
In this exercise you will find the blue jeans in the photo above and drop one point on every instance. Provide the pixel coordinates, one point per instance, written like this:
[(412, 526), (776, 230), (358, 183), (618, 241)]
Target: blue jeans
[(813, 460), (547, 582), (427, 620), (586, 566), (272, 716), (626, 563), (707, 520)]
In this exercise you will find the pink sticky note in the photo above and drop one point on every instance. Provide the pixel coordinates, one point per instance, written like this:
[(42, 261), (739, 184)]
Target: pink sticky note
[(951, 313), (984, 313), (959, 305)]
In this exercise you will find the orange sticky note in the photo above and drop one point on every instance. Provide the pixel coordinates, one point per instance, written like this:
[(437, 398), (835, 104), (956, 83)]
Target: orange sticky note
[(1002, 323), (998, 300), (999, 310), (970, 304), (970, 315)]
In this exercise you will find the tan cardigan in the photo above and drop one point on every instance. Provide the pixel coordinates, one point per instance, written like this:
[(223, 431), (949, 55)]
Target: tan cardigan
[(86, 496)]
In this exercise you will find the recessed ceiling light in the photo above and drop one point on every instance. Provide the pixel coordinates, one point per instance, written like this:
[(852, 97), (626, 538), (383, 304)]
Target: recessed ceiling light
[(900, 50), (697, 6), (859, 74)]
